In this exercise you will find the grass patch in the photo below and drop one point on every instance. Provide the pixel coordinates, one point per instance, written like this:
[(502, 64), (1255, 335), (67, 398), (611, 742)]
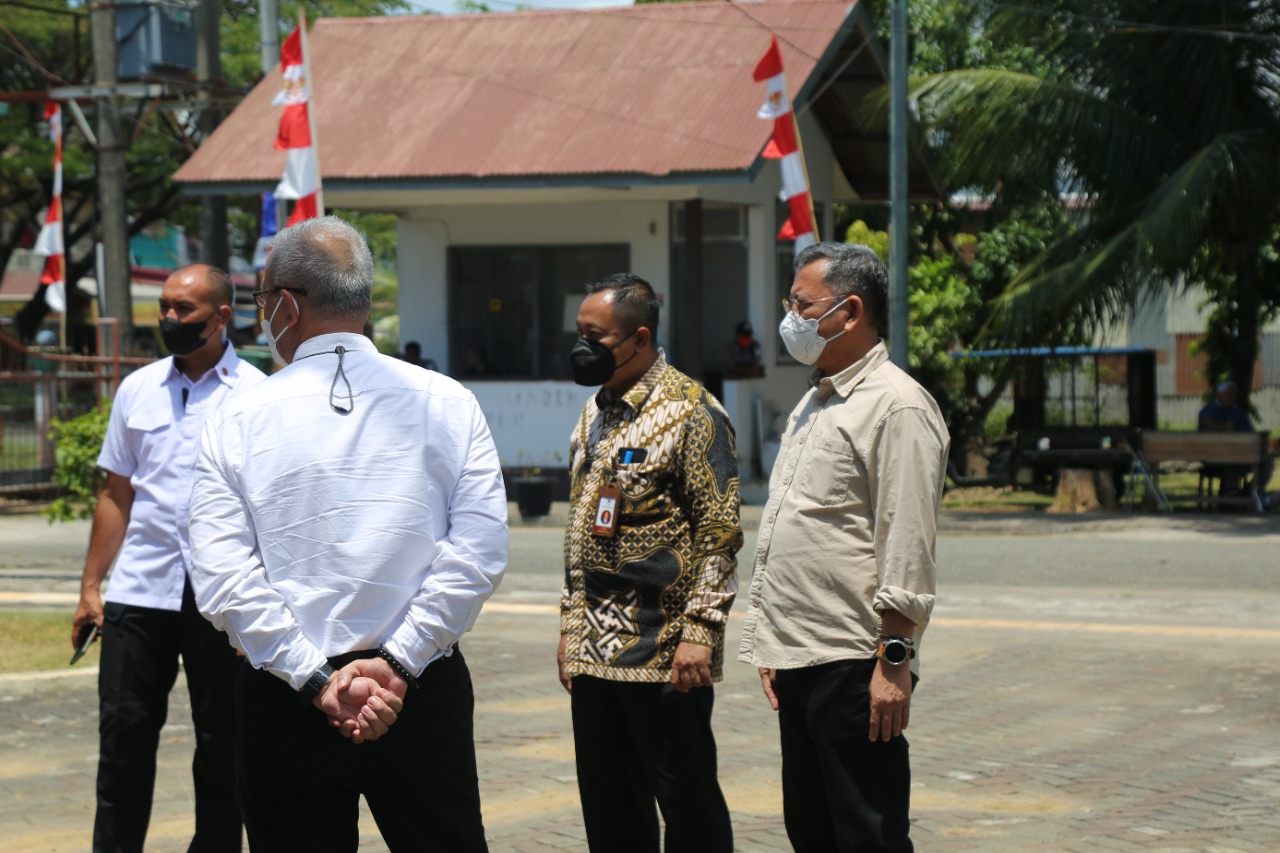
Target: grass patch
[(995, 498), (32, 640), (1176, 484)]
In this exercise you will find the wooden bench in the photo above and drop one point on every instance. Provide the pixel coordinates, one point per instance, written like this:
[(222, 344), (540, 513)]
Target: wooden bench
[(1049, 450), (1244, 449)]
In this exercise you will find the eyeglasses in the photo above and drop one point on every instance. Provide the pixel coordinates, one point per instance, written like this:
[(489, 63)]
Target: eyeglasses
[(790, 303), (260, 296)]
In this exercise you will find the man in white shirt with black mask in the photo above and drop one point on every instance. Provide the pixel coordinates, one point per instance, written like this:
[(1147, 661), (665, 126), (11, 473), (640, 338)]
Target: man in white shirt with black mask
[(147, 615), (348, 521)]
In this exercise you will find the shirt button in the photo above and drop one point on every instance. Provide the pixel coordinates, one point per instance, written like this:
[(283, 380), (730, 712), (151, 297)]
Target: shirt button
[(802, 439), (771, 518)]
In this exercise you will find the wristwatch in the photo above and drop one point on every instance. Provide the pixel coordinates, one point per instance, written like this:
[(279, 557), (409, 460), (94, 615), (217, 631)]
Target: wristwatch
[(314, 686), (896, 650)]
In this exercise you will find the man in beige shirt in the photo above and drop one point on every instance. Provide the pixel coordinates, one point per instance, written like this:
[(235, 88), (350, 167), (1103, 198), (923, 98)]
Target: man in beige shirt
[(843, 583)]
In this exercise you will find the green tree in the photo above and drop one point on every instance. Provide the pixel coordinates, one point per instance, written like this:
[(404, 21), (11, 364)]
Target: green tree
[(949, 282), (77, 443), (1163, 119), (41, 54)]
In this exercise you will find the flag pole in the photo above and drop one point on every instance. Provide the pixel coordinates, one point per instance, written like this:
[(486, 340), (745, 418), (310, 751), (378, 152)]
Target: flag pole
[(311, 112), (795, 125)]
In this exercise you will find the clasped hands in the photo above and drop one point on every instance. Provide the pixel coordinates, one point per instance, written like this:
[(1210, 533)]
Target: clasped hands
[(363, 699)]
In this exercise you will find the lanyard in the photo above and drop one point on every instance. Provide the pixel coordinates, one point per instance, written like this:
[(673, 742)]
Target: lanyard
[(340, 351)]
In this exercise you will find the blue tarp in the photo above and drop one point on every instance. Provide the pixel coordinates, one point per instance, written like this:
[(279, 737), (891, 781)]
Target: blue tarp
[(1046, 352)]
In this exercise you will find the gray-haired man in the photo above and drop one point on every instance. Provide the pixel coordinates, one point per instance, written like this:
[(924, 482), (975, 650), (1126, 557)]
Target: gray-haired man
[(844, 573), (345, 554)]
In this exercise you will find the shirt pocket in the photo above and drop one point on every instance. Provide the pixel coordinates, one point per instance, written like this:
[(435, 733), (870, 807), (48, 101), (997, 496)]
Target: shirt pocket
[(825, 471), (149, 420), (644, 494)]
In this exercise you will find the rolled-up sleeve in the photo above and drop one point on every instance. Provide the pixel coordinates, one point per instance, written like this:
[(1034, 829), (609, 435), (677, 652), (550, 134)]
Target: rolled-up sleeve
[(470, 562), (906, 489)]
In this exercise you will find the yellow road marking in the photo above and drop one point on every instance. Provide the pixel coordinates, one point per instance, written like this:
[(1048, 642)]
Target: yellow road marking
[(993, 624)]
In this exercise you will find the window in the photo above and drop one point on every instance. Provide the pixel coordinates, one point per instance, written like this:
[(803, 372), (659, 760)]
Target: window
[(516, 306)]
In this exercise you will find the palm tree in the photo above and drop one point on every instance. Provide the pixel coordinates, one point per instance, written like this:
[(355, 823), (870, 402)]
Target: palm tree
[(1164, 118)]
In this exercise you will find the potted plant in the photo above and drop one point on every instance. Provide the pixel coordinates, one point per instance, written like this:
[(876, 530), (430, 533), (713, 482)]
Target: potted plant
[(533, 490)]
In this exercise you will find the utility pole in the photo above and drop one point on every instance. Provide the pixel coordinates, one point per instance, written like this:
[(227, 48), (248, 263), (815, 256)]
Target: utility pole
[(113, 222), (269, 33), (898, 186), (213, 208), (269, 42)]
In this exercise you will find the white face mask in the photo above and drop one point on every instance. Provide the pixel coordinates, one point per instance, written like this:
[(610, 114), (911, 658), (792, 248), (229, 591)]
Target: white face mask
[(274, 340), (801, 336)]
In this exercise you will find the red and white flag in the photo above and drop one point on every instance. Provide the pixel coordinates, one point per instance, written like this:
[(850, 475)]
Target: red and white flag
[(49, 243), (301, 180), (785, 147)]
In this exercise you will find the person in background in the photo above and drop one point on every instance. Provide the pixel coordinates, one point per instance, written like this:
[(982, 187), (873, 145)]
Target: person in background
[(1225, 414), (478, 363), (413, 355), (744, 354), (148, 616)]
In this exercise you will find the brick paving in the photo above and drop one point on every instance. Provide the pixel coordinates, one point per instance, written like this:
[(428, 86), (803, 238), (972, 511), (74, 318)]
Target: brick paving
[(1154, 726)]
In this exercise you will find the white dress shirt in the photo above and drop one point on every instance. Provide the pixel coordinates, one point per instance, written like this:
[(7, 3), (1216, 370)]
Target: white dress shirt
[(315, 533), (153, 439)]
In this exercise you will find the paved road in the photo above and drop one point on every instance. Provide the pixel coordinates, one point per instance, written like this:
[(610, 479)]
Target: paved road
[(1089, 685)]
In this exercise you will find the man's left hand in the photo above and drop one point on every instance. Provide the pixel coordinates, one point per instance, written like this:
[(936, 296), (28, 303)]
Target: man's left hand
[(890, 700), (691, 667), (363, 699)]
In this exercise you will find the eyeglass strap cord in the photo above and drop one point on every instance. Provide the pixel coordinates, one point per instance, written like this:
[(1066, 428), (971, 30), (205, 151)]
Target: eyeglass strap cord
[(350, 396)]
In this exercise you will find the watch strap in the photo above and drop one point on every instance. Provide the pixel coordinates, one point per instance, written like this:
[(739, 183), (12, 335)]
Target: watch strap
[(904, 642), (314, 686)]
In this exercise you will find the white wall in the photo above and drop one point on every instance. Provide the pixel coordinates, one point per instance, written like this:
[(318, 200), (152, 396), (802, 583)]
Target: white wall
[(531, 421), (539, 424), (426, 234)]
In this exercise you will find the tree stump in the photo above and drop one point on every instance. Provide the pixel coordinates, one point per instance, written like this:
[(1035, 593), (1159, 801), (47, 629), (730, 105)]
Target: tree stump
[(1084, 490)]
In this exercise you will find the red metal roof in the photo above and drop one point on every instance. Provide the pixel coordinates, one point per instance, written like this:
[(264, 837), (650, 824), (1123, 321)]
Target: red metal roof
[(19, 284), (648, 90)]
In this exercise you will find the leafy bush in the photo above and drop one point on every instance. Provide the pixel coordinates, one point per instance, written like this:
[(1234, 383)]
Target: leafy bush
[(77, 443)]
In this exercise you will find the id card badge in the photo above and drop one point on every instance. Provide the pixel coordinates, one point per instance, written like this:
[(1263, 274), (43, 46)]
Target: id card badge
[(606, 520)]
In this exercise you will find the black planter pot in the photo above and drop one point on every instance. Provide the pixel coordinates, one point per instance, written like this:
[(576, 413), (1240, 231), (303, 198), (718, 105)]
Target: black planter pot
[(533, 496)]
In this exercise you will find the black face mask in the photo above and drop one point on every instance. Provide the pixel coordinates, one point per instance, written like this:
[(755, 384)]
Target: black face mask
[(592, 362), (182, 338)]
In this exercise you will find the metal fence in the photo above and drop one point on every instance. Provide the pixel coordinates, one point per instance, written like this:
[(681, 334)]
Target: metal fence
[(39, 385)]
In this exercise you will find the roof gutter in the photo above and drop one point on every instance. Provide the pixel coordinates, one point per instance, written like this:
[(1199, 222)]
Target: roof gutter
[(620, 182)]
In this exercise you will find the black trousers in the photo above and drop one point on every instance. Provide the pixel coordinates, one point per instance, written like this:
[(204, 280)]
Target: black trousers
[(841, 792), (299, 781), (140, 649), (639, 742)]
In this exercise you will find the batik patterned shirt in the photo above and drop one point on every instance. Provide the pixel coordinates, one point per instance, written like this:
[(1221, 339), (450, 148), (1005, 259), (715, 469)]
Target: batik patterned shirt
[(667, 575)]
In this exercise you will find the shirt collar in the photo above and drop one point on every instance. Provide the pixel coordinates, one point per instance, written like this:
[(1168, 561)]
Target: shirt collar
[(349, 341), (634, 397), (224, 369), (846, 380)]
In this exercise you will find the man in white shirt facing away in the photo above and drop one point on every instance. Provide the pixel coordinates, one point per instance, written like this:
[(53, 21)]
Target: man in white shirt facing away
[(149, 617), (348, 521)]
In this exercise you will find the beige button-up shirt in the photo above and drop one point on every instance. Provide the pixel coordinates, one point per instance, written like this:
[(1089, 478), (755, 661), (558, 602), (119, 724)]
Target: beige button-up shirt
[(851, 522)]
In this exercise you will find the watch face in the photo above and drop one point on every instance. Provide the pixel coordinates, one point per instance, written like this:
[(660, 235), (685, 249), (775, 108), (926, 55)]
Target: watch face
[(895, 652)]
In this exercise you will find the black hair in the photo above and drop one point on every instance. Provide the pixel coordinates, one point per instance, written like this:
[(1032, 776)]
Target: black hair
[(634, 302)]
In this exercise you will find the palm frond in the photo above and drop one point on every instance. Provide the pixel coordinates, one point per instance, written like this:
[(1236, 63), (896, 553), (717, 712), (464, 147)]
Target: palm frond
[(990, 120), (1096, 273)]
